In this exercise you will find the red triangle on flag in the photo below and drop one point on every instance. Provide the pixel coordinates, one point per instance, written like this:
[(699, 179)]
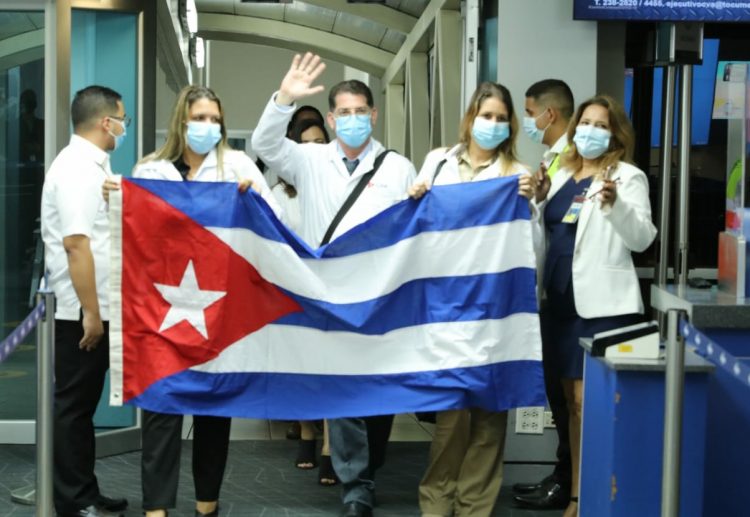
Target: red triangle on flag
[(158, 242)]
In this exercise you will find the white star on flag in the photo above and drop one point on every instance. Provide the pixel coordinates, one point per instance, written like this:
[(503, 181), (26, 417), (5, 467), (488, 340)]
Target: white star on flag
[(187, 302)]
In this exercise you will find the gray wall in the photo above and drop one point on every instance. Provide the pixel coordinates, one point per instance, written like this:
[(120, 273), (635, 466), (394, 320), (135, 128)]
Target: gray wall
[(245, 75), (538, 39), (166, 95)]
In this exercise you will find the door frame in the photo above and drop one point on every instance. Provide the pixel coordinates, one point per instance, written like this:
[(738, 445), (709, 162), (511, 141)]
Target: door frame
[(57, 44)]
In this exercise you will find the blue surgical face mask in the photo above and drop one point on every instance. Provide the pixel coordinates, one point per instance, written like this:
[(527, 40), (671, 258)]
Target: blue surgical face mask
[(487, 134), (353, 130), (119, 139), (591, 142), (533, 132), (203, 136)]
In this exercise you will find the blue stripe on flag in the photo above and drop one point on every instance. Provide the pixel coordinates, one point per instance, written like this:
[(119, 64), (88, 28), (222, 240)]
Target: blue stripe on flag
[(428, 300), (284, 396), (215, 204), (448, 207)]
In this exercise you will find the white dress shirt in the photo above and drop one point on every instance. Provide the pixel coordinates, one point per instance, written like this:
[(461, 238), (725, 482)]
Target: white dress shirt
[(550, 154), (72, 204)]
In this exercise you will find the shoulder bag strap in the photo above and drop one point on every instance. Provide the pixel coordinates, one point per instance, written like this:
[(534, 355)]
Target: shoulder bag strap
[(364, 180), (438, 169)]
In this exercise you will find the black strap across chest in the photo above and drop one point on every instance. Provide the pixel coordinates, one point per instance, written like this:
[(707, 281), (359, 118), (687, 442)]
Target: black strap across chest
[(363, 181)]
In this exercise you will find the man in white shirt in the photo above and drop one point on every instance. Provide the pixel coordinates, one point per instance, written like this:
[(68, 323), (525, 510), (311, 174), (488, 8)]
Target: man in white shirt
[(75, 230), (325, 175), (549, 107)]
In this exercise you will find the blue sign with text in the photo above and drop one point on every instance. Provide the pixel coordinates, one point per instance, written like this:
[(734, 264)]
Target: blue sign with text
[(663, 10)]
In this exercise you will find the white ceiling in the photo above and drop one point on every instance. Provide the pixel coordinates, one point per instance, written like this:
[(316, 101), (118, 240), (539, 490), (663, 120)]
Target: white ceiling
[(15, 23), (355, 22)]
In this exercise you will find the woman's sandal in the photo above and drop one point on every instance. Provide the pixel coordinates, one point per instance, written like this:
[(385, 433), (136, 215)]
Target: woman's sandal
[(306, 459), (215, 513), (326, 475)]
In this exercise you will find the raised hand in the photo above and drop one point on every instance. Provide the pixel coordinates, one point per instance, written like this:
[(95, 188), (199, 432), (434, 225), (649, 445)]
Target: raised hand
[(297, 82), (608, 193)]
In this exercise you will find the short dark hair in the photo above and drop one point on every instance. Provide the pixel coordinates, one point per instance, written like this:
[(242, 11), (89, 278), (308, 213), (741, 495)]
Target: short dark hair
[(351, 86), (93, 102), (306, 124), (555, 93)]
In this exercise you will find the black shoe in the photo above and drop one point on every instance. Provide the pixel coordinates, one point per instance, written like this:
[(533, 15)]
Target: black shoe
[(527, 488), (91, 511), (551, 497), (110, 504), (356, 510)]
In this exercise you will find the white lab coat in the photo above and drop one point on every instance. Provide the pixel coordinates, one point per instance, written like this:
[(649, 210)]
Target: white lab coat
[(290, 205), (450, 173), (237, 165), (604, 278), (321, 179)]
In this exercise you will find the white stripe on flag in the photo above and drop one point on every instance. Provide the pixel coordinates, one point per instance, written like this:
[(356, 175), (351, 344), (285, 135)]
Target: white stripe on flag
[(369, 275), (436, 346), (115, 299)]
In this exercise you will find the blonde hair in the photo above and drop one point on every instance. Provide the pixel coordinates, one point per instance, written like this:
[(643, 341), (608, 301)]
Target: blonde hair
[(176, 142), (507, 149), (621, 144)]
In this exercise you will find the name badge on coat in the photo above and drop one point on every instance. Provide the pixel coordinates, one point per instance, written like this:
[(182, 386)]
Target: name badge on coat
[(571, 216)]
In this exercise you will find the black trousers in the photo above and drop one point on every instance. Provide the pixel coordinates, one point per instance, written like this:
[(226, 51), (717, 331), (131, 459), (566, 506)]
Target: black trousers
[(160, 459), (79, 379), (378, 433), (556, 397)]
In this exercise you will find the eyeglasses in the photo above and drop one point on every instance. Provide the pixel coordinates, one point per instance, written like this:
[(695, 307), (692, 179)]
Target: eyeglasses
[(125, 121), (345, 112)]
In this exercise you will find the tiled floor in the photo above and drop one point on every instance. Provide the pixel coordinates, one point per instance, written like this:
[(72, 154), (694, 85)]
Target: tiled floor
[(261, 479)]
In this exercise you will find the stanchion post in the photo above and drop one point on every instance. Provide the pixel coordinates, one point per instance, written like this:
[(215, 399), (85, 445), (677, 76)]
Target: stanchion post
[(683, 198), (665, 166), (675, 377), (45, 403)]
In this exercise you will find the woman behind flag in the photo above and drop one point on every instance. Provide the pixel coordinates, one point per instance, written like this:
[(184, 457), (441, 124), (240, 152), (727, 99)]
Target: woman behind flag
[(306, 129), (196, 149), (465, 471), (588, 278)]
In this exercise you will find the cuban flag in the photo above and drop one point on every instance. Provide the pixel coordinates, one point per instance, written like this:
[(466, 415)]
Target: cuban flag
[(217, 308)]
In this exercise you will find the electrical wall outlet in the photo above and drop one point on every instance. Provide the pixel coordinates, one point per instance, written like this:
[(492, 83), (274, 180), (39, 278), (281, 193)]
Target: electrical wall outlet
[(530, 420), (549, 420)]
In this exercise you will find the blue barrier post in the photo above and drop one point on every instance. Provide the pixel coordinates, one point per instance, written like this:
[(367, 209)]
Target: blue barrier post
[(45, 349)]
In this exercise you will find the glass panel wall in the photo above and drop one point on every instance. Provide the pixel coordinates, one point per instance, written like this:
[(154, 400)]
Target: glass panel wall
[(21, 179)]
